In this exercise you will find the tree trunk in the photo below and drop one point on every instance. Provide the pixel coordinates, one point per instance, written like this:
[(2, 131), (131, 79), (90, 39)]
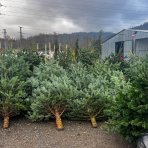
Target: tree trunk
[(93, 122), (6, 122), (59, 123)]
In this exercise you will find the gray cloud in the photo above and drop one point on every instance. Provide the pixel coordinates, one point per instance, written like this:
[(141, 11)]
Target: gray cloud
[(49, 16)]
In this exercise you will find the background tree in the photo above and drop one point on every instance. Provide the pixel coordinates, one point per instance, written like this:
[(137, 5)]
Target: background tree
[(97, 45), (87, 57), (56, 46), (65, 58), (33, 59), (76, 49)]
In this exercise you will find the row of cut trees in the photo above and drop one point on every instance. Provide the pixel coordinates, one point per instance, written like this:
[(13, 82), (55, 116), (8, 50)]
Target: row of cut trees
[(79, 90), (48, 89)]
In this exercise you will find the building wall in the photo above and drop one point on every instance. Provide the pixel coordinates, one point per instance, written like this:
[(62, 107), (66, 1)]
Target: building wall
[(127, 48), (128, 36), (142, 47)]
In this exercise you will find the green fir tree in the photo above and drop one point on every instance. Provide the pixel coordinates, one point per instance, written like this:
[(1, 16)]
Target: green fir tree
[(13, 74), (52, 92)]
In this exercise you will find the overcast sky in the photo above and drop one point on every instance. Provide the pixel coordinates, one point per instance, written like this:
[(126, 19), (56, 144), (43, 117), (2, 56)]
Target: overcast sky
[(65, 16)]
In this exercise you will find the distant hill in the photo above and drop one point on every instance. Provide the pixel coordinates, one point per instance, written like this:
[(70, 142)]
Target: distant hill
[(141, 27), (85, 38)]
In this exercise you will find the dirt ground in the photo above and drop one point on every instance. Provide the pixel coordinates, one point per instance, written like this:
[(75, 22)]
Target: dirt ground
[(24, 134)]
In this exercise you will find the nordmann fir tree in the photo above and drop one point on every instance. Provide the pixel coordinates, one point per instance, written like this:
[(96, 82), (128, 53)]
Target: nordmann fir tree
[(52, 92), (93, 92), (128, 113), (13, 74)]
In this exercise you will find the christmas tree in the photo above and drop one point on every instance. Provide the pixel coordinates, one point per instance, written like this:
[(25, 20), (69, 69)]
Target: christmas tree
[(94, 86), (13, 73), (52, 92)]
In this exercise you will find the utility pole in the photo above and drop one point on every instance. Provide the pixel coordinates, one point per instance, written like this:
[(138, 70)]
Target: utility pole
[(5, 39), (21, 36)]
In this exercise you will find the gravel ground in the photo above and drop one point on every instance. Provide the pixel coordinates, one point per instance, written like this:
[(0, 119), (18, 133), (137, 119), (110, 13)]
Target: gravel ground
[(24, 134)]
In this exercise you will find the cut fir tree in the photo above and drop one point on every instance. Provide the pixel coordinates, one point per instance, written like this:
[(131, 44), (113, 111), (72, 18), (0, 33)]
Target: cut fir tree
[(12, 94), (92, 100), (52, 92), (93, 91), (11, 102), (128, 112)]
